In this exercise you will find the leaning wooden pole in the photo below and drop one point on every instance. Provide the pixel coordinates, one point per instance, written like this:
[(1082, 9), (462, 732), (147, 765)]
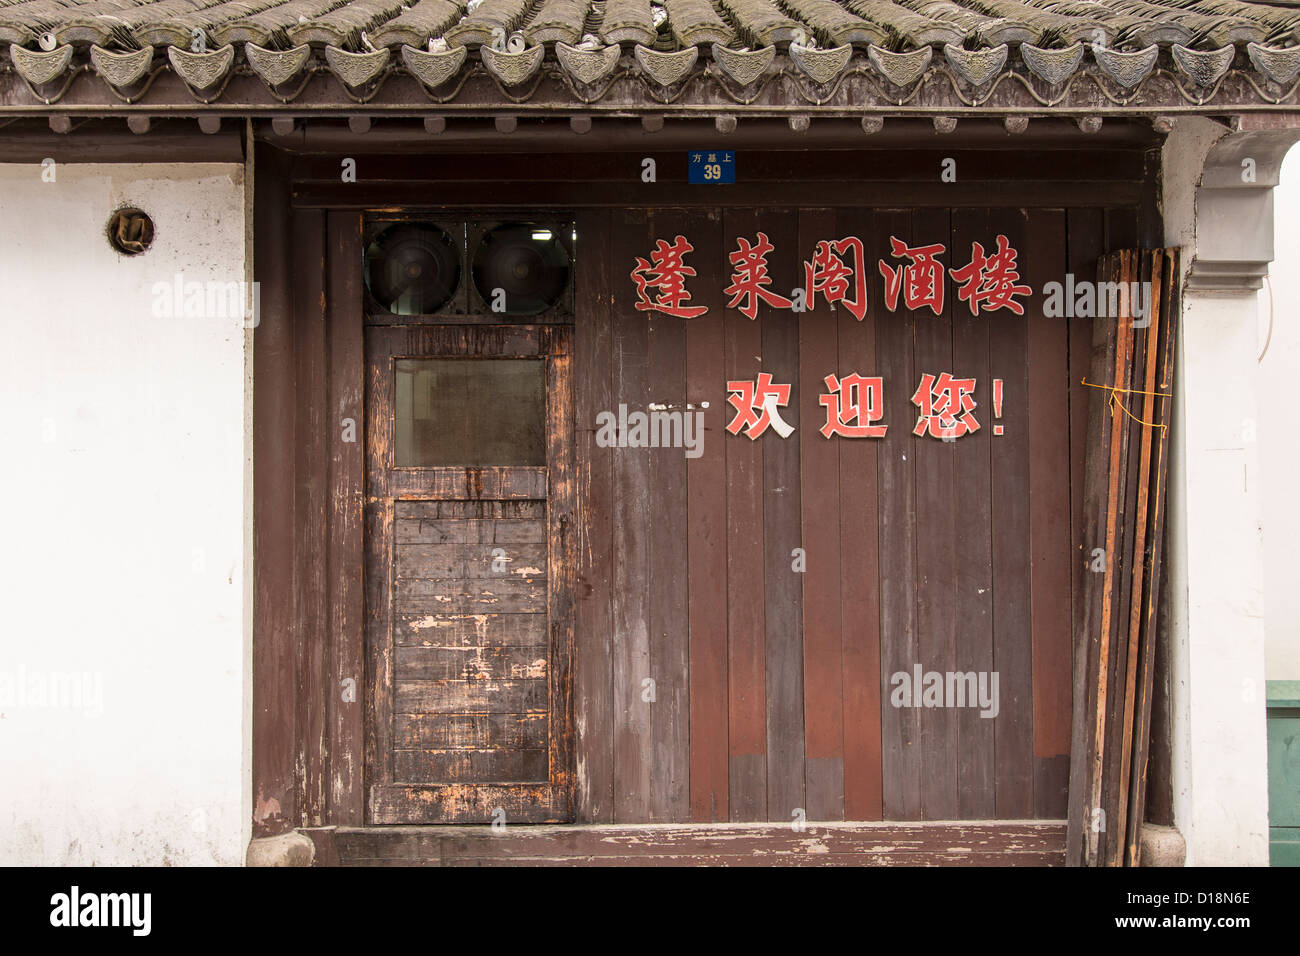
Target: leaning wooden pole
[(1167, 291)]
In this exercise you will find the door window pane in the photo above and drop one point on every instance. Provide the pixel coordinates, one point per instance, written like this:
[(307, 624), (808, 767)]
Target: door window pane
[(471, 412)]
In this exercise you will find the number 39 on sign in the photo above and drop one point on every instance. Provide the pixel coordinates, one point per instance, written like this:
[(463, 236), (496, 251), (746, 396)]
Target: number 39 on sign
[(709, 166)]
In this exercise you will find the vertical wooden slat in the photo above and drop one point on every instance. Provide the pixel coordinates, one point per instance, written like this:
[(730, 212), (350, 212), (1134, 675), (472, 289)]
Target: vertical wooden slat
[(706, 488), (859, 545), (819, 489), (1164, 300), (936, 556), (632, 236), (1091, 673), (746, 685), (974, 530), (782, 596), (1012, 647), (593, 672), (1110, 839), (274, 630), (308, 269), (1147, 270), (1049, 516), (900, 726), (378, 580), (1085, 237), (561, 567), (667, 529), (346, 543)]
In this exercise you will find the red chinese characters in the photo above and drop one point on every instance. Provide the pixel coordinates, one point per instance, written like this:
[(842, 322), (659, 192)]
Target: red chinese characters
[(750, 280), (991, 281), (666, 274), (920, 280), (946, 405), (756, 405), (830, 275), (837, 272), (853, 405)]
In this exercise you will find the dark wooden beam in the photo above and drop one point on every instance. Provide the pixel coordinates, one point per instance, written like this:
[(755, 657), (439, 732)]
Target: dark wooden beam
[(756, 844)]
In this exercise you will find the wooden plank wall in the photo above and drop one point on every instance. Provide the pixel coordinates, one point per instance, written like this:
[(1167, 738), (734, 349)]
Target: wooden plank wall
[(771, 687)]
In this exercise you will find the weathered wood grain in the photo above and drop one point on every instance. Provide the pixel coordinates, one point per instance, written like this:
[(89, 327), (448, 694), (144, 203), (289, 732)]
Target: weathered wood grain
[(1049, 516), (936, 538), (973, 500), (274, 429), (470, 766), (1012, 633), (477, 519), (489, 561), (310, 531), (632, 515), (469, 696), (831, 844), (860, 545), (471, 731), (783, 592), (469, 530), (706, 536), (471, 663), (668, 551), (593, 671), (746, 587), (470, 597), (436, 629), (346, 547), (899, 646), (819, 495)]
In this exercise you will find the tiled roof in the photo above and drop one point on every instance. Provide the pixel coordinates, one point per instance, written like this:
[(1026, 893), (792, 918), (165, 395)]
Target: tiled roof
[(665, 45)]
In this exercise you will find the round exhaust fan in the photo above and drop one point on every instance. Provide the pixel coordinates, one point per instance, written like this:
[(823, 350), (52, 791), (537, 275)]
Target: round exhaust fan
[(412, 268), (521, 269)]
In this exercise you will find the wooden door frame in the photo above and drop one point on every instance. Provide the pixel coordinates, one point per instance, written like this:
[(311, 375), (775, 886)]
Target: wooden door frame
[(308, 669), (395, 803)]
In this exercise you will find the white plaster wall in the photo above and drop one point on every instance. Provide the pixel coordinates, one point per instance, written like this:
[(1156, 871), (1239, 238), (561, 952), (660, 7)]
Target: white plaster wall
[(124, 525), (1278, 434), (1219, 764)]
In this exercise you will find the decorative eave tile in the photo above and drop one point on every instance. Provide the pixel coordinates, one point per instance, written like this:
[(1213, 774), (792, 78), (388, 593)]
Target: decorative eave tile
[(276, 66), (1007, 31), (1203, 67), (587, 66), (201, 70), (976, 67), (166, 33), (823, 66), (39, 67), (1126, 69), (1279, 64), (699, 34), (356, 69), (121, 69), (1054, 66), (628, 33), (743, 66), (553, 33), (436, 67), (1161, 33), (901, 69), (666, 68), (512, 68)]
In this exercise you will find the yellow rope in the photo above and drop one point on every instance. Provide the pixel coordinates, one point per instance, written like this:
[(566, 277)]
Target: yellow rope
[(1115, 400)]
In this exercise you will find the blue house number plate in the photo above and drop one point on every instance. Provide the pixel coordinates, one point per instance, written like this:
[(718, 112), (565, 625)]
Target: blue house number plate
[(709, 166)]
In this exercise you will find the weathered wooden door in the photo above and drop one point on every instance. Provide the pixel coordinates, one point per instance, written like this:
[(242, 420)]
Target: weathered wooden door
[(468, 574)]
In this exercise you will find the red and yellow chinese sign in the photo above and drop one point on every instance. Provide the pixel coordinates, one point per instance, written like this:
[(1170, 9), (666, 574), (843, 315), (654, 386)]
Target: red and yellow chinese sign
[(837, 271)]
